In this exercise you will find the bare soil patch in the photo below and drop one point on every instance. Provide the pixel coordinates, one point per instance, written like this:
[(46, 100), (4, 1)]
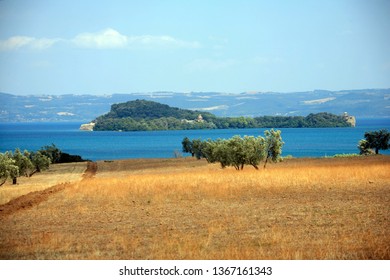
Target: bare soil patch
[(29, 200)]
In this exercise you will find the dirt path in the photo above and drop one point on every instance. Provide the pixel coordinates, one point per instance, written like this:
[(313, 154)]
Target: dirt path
[(34, 198), (91, 170)]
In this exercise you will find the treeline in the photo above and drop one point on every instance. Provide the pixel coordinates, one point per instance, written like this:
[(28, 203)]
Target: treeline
[(164, 123), (171, 123), (26, 163), (237, 151), (148, 115)]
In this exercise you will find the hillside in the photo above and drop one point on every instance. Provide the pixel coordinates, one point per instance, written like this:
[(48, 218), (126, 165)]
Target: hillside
[(150, 115), (143, 109), (361, 103)]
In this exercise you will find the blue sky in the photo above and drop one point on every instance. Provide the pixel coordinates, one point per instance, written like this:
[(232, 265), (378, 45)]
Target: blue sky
[(105, 47)]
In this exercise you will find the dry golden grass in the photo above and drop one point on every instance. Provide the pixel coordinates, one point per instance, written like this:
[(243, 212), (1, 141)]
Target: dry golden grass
[(187, 209), (57, 174)]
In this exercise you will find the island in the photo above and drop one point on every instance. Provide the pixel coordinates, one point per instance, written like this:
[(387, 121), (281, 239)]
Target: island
[(144, 115)]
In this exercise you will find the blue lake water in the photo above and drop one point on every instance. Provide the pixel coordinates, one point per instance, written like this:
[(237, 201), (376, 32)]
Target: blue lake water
[(109, 145)]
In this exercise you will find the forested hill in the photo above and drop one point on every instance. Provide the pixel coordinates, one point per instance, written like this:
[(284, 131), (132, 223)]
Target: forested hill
[(150, 115), (143, 109)]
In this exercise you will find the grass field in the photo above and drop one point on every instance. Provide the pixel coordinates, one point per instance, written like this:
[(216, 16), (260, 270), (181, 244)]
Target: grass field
[(186, 209)]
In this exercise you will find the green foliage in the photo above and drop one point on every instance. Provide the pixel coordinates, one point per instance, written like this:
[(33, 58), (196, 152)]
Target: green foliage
[(57, 156), (15, 164), (238, 151), (187, 146), (40, 161), (8, 168), (143, 109), (364, 147), (345, 155), (52, 152), (148, 115), (18, 164), (197, 148), (376, 140), (273, 145), (23, 162)]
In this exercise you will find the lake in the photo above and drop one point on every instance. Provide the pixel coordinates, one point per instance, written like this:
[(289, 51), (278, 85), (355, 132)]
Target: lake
[(110, 145)]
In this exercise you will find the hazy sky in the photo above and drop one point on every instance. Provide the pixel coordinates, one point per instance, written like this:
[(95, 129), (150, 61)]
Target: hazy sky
[(104, 47)]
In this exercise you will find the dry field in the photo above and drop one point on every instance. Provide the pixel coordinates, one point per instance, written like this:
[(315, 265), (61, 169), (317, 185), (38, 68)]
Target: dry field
[(57, 174), (187, 209)]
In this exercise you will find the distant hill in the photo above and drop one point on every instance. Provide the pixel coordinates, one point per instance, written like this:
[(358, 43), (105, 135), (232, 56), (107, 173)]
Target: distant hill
[(144, 109), (83, 108), (150, 115)]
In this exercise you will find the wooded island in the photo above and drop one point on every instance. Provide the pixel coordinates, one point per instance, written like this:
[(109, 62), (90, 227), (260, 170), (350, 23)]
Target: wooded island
[(143, 115)]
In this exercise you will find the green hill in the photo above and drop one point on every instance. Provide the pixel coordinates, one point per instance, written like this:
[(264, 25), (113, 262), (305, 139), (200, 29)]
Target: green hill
[(150, 115), (143, 109)]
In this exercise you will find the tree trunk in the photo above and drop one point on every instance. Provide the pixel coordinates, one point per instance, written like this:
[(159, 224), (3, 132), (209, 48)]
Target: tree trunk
[(265, 163), (14, 180), (376, 150)]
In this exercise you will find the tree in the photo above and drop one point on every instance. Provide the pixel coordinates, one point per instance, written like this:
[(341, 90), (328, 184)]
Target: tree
[(23, 162), (377, 140), (8, 168), (40, 161), (273, 145), (187, 146), (364, 148), (238, 151), (52, 152), (197, 148), (254, 150), (221, 153)]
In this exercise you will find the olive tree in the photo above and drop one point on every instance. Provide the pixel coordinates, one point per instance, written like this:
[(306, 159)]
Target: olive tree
[(376, 140), (8, 168), (221, 153), (254, 150), (187, 146), (273, 145), (40, 161), (197, 148), (23, 162), (52, 152), (238, 151), (364, 147)]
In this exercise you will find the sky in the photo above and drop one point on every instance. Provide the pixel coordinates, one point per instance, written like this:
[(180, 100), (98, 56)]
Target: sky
[(127, 46)]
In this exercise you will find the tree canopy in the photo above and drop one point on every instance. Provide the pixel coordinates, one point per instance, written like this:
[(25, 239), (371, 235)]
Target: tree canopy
[(375, 140), (237, 151), (16, 164), (149, 115)]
